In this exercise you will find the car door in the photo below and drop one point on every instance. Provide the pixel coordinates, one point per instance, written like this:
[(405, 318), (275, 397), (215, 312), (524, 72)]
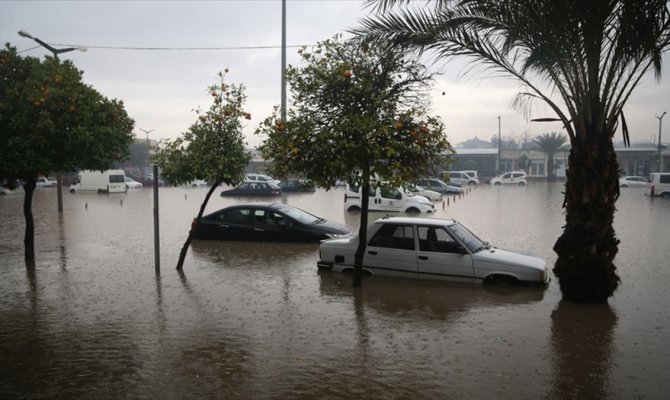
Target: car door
[(265, 229), (391, 252), (233, 224), (389, 200), (441, 256)]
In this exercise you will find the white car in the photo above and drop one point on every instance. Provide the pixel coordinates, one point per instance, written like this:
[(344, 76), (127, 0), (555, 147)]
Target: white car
[(132, 183), (197, 183), (388, 200), (432, 248), (429, 194), (45, 182), (638, 181), (260, 178), (510, 178)]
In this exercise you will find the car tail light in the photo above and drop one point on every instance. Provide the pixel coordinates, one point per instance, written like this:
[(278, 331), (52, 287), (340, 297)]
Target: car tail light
[(345, 197), (194, 223)]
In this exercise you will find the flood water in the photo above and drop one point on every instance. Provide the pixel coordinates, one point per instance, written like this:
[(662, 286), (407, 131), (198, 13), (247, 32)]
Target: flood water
[(92, 320)]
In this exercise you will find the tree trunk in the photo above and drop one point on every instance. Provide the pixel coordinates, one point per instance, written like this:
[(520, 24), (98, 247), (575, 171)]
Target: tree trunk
[(29, 238), (588, 245), (187, 243), (551, 171), (362, 231)]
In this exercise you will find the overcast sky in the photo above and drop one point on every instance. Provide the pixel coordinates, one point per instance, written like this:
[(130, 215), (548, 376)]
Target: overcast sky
[(161, 88)]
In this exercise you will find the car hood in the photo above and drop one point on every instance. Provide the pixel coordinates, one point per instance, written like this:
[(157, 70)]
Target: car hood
[(331, 227), (509, 258)]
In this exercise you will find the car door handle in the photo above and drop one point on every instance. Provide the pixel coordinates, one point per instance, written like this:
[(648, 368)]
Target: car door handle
[(224, 226), (372, 253), (259, 230), (424, 258)]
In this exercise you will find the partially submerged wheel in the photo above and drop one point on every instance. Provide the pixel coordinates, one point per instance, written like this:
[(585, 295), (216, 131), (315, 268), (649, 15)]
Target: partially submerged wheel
[(501, 280)]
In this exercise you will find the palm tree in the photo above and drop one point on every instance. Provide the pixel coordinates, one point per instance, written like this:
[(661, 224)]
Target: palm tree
[(550, 144), (588, 55)]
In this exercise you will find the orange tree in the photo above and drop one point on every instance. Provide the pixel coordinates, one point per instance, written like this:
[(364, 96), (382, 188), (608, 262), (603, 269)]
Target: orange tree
[(51, 121), (212, 149), (358, 115)]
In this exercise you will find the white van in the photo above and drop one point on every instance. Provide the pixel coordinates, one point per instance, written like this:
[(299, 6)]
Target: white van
[(109, 181), (659, 185), (397, 200)]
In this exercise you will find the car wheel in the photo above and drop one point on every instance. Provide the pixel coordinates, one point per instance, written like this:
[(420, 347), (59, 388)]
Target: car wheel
[(501, 280), (624, 185), (522, 183), (497, 183), (665, 195), (471, 183), (354, 208), (413, 210), (100, 191), (72, 191)]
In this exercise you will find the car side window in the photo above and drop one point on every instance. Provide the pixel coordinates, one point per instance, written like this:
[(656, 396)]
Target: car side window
[(394, 236), (238, 216), (437, 239)]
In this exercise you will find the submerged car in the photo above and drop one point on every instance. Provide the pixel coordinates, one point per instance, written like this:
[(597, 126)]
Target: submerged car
[(635, 181), (432, 248), (132, 183), (510, 178), (253, 189), (274, 222)]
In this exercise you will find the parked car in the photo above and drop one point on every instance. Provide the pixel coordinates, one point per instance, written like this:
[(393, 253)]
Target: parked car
[(432, 248), (253, 189), (510, 178), (638, 181), (132, 183), (385, 199), (274, 222), (439, 186), (260, 178), (296, 186), (197, 183), (462, 178), (45, 182), (659, 185), (429, 194)]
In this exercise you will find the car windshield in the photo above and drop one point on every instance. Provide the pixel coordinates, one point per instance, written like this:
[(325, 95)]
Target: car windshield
[(300, 215), (469, 239)]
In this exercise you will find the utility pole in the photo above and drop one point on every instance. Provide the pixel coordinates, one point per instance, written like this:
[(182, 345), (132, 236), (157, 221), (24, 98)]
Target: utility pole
[(283, 60), (499, 147)]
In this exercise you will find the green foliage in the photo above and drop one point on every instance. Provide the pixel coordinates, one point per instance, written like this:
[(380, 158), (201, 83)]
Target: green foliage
[(213, 148), (51, 121), (550, 143), (357, 111)]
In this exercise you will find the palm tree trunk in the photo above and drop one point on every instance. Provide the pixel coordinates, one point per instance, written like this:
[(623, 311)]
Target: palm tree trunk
[(588, 245), (189, 239)]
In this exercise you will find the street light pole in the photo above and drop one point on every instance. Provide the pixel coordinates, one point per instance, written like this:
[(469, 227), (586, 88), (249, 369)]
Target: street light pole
[(660, 144), (55, 52), (499, 146), (146, 159)]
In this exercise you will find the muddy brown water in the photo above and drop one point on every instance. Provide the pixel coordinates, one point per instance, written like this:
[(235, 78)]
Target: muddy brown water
[(91, 319)]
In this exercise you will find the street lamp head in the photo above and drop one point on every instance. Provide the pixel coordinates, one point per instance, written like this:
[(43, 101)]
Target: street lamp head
[(25, 34)]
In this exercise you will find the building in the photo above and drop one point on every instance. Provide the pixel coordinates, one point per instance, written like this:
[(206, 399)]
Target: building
[(632, 161)]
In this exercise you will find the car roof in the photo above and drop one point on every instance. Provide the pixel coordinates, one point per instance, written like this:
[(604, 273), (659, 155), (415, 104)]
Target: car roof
[(415, 220)]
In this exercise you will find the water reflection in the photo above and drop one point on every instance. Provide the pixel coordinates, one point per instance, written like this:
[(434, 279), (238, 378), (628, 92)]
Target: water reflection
[(424, 299), (582, 350)]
